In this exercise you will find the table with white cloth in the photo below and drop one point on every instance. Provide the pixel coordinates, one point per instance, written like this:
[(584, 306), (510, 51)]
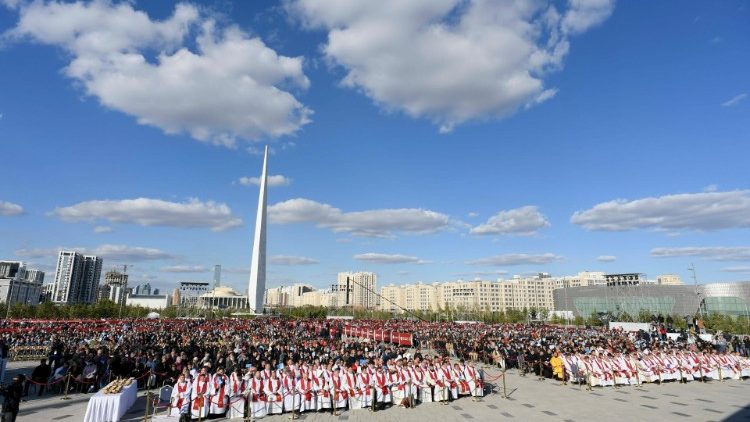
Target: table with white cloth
[(111, 407)]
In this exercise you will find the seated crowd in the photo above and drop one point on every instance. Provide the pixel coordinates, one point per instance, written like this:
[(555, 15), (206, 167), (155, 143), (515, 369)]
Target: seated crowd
[(272, 365)]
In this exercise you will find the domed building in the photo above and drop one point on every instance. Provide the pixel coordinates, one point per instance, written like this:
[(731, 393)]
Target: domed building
[(222, 297)]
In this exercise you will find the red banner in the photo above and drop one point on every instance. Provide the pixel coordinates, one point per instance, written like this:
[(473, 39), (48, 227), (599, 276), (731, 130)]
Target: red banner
[(399, 338)]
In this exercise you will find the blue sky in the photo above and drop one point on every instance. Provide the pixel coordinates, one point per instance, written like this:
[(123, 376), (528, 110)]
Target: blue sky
[(425, 141)]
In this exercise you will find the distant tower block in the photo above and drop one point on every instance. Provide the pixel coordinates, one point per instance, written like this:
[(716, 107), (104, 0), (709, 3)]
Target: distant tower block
[(257, 285), (217, 276)]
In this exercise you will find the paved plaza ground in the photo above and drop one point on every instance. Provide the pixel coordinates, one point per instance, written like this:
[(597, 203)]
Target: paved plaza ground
[(529, 400)]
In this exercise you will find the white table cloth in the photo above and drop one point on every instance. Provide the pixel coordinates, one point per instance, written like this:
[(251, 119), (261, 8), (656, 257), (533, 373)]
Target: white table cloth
[(111, 407)]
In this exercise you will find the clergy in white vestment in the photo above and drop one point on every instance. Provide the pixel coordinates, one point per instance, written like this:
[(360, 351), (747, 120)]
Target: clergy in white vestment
[(707, 365), (237, 400), (350, 384), (441, 391), (179, 403), (570, 364), (604, 371), (683, 363), (292, 398), (201, 394), (427, 384), (382, 387), (694, 364), (398, 385), (474, 379), (463, 384), (671, 370), (365, 384), (593, 376), (448, 377), (274, 395), (646, 373), (219, 393), (339, 394), (728, 370), (321, 388), (619, 369), (305, 387), (742, 363), (411, 387), (256, 395)]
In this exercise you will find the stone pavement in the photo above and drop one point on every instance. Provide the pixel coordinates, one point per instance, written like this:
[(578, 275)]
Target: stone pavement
[(529, 399)]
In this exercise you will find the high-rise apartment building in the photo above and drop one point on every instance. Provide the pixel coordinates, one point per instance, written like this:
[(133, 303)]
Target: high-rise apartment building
[(92, 273), (114, 288), (277, 297), (356, 289), (68, 276), (217, 276), (76, 278), (19, 285)]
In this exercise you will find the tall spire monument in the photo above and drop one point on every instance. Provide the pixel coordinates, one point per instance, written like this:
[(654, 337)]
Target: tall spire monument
[(256, 287)]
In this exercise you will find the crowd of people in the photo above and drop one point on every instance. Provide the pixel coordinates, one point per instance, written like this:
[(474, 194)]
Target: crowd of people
[(263, 366)]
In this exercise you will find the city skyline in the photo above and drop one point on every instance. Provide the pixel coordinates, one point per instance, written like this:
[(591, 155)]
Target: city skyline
[(600, 142)]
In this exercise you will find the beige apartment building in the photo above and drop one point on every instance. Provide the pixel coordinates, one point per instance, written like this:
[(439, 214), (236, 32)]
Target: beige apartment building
[(351, 289), (356, 289), (583, 279), (496, 296), (669, 280)]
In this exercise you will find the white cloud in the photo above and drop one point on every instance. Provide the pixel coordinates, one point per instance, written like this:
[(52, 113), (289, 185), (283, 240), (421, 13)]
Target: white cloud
[(10, 4), (694, 211), (36, 252), (291, 260), (473, 214), (371, 223), (713, 253), (219, 86), (121, 253), (184, 269), (711, 188), (517, 259), (449, 60), (273, 180), (381, 258), (740, 269), (152, 212), (606, 258), (102, 229), (734, 100), (520, 221), (235, 270), (9, 209)]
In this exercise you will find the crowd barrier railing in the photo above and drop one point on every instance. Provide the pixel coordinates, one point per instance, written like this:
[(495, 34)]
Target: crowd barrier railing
[(22, 353)]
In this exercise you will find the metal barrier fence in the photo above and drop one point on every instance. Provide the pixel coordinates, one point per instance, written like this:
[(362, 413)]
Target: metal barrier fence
[(20, 353)]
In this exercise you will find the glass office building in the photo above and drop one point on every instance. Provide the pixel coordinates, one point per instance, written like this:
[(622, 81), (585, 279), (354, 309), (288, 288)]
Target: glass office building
[(722, 298)]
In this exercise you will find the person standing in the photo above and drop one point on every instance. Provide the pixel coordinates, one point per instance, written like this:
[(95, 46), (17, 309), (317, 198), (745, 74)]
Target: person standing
[(39, 376), (4, 351), (12, 401)]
